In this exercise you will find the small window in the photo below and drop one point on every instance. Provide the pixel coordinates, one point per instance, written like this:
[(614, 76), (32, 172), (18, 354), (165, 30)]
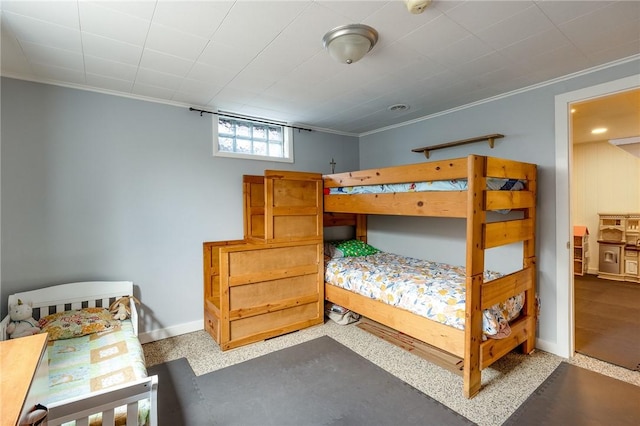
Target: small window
[(245, 138)]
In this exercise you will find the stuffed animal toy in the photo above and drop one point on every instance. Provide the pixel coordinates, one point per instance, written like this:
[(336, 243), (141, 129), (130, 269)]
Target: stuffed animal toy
[(22, 322), (121, 308), (35, 416)]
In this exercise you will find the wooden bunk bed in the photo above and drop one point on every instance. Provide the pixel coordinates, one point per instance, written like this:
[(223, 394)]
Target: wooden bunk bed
[(471, 204), (271, 282)]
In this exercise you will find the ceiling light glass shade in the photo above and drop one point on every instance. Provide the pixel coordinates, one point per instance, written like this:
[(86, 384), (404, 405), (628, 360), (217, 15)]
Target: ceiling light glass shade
[(349, 43)]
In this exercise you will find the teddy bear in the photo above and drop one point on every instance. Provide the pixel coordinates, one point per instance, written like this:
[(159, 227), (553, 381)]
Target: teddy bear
[(22, 322), (121, 309)]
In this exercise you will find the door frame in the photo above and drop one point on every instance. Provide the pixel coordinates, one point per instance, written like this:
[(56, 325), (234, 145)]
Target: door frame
[(565, 314)]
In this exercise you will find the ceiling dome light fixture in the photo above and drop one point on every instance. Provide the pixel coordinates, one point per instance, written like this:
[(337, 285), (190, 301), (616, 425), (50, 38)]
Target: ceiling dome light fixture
[(349, 43)]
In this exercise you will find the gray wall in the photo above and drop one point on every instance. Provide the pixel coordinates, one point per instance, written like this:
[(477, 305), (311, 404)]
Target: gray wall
[(98, 187), (528, 123), (102, 187)]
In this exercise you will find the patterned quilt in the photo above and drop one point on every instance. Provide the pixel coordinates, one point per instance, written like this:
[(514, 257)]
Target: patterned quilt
[(430, 289), (95, 362)]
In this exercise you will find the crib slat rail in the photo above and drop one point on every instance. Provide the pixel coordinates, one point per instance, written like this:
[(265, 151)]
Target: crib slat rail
[(105, 402), (60, 298)]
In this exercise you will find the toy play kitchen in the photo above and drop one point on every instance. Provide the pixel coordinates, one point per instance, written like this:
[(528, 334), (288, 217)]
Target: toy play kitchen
[(619, 246)]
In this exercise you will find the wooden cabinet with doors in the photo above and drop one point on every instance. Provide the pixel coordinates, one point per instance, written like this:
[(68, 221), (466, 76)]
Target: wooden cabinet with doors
[(271, 282)]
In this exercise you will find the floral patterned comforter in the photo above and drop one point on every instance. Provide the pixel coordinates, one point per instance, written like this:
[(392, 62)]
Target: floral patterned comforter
[(430, 289)]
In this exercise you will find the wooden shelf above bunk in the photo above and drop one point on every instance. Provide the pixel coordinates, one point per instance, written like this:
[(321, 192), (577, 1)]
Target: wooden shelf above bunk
[(489, 138)]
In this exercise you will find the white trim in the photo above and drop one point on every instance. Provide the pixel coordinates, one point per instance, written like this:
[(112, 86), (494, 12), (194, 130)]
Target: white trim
[(565, 341), (547, 346), (176, 330), (506, 95), (338, 132), (148, 99)]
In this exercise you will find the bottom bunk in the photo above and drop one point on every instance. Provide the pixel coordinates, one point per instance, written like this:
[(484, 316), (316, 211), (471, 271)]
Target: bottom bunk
[(96, 368), (441, 336), (427, 301)]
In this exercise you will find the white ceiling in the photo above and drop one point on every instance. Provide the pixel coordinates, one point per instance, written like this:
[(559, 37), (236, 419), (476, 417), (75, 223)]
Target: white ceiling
[(266, 59)]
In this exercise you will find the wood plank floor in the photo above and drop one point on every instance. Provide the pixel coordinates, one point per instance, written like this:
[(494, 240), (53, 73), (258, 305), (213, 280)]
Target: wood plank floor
[(608, 320)]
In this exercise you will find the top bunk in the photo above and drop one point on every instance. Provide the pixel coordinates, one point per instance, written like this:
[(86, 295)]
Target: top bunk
[(444, 188)]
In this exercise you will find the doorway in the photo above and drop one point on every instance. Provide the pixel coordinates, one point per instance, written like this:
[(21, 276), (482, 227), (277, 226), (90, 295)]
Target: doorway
[(605, 179), (564, 263)]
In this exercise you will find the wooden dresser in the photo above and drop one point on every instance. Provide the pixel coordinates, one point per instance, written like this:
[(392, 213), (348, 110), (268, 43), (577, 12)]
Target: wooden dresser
[(25, 376)]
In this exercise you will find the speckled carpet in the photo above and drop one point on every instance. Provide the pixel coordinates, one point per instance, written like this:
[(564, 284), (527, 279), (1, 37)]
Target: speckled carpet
[(319, 382)]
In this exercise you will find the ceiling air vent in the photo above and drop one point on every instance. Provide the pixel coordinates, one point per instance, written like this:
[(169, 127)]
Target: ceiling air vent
[(398, 107)]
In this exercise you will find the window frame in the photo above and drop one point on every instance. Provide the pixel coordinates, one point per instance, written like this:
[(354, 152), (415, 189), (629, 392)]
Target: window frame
[(287, 133)]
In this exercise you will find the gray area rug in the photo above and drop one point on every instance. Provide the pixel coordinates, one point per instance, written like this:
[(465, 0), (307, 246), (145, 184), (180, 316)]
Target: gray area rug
[(319, 382), (575, 396)]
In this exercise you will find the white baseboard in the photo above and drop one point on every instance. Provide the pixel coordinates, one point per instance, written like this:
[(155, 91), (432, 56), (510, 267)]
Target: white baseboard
[(551, 347), (176, 330), (190, 327)]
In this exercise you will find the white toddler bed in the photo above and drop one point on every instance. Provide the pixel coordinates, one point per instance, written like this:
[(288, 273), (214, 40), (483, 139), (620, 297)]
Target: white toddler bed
[(134, 399)]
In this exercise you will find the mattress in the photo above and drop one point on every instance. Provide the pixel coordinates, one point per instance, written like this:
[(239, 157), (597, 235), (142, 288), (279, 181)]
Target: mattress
[(96, 362), (495, 184), (429, 289)]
